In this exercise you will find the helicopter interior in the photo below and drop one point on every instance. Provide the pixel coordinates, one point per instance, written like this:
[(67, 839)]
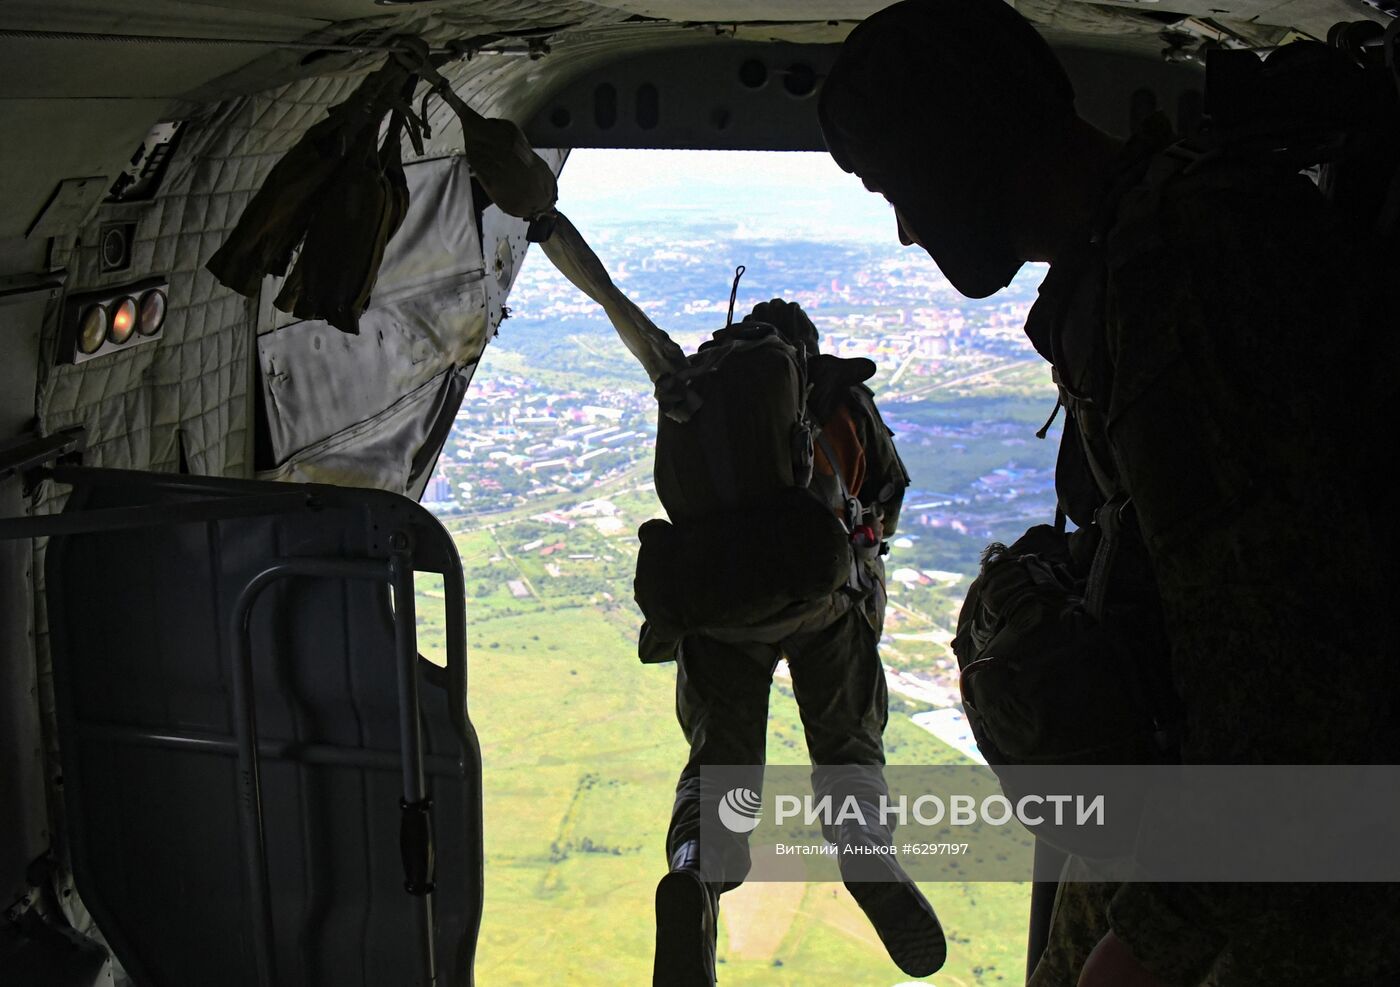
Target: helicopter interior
[(152, 420)]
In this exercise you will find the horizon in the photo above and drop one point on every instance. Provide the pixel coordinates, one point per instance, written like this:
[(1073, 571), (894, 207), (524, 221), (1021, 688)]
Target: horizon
[(804, 190), (724, 208)]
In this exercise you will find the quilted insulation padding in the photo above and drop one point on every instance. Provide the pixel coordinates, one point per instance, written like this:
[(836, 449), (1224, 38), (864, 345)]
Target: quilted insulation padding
[(192, 387), (193, 384)]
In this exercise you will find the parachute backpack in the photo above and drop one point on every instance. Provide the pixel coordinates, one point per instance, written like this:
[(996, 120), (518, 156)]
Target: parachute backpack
[(750, 545), (750, 439)]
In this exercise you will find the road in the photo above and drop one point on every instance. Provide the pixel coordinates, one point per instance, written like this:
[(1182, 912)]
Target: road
[(923, 389)]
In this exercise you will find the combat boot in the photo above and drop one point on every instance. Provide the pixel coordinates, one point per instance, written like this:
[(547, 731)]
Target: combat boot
[(901, 915), (687, 914)]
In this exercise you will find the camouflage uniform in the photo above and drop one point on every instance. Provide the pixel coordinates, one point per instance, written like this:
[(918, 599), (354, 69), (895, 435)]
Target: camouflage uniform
[(723, 681), (1237, 372), (722, 705)]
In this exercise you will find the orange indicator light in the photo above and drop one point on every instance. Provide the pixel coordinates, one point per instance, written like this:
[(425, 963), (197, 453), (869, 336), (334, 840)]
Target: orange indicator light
[(123, 321)]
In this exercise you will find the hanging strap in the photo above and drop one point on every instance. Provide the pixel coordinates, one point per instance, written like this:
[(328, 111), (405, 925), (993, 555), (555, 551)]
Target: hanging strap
[(516, 178), (1109, 520)]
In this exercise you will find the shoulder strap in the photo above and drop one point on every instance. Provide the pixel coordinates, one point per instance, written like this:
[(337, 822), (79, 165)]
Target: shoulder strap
[(852, 509)]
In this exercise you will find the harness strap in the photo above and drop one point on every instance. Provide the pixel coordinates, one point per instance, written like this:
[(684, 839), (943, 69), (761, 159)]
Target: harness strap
[(1109, 520), (850, 504), (853, 511)]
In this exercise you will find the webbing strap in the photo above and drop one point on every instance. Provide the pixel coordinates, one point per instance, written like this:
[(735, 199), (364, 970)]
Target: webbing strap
[(1109, 520), (853, 511), (517, 179), (852, 505)]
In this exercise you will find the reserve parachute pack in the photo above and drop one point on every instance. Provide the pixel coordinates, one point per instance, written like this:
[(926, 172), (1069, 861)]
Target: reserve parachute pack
[(761, 531), (1062, 651)]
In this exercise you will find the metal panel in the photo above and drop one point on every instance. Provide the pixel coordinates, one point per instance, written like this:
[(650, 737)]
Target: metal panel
[(97, 137), (23, 830), (339, 407), (755, 96), (438, 239), (1281, 12), (705, 97), (319, 382), (23, 819), (140, 623), (503, 246)]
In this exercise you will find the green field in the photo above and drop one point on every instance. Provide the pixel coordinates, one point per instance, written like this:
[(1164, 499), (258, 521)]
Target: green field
[(581, 750)]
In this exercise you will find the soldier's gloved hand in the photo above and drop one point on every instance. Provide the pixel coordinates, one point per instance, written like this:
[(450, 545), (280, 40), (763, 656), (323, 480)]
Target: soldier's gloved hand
[(1112, 964), (789, 319)]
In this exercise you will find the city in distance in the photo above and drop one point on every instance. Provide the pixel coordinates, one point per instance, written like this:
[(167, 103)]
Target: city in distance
[(546, 478)]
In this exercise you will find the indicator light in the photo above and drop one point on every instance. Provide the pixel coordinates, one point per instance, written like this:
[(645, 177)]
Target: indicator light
[(152, 314), (92, 330), (123, 321), (101, 322)]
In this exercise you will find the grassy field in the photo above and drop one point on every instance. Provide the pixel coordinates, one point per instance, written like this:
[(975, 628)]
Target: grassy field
[(581, 751)]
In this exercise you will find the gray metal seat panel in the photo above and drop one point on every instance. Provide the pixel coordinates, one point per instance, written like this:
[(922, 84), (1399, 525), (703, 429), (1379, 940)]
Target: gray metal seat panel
[(140, 622)]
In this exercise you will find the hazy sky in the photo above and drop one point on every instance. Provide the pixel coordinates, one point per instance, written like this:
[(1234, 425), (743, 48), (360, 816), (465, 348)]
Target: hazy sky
[(803, 191)]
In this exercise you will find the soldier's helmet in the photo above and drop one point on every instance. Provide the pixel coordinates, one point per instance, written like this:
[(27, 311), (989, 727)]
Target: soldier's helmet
[(791, 322), (930, 102)]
